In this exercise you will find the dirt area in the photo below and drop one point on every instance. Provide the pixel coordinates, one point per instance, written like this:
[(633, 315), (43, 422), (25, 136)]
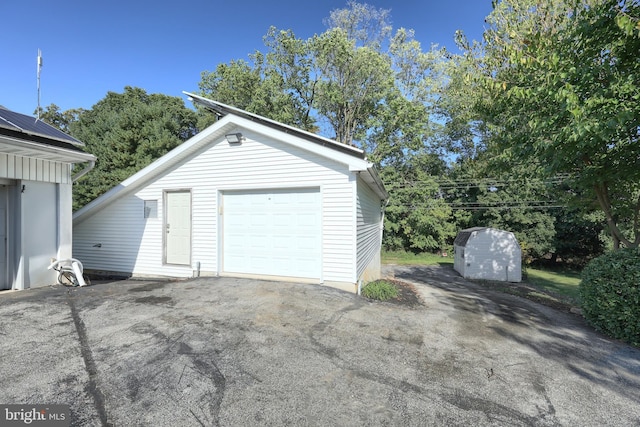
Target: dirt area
[(407, 295)]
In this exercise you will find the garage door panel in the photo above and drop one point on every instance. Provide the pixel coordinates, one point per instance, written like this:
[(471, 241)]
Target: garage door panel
[(283, 219), (307, 243), (258, 242), (282, 243), (305, 263), (257, 220), (273, 232)]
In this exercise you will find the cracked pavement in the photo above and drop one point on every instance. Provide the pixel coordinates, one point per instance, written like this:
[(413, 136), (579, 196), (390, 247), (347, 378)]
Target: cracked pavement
[(233, 352)]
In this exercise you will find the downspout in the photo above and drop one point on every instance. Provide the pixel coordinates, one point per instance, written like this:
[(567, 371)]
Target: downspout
[(83, 172)]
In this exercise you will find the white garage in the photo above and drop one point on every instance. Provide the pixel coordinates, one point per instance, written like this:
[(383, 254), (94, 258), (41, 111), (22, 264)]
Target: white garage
[(246, 197)]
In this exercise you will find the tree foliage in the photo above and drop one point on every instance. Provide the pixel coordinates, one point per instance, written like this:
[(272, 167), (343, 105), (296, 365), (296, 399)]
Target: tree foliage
[(417, 217), (361, 84), (610, 294), (559, 84), (126, 132), (515, 199), (59, 119)]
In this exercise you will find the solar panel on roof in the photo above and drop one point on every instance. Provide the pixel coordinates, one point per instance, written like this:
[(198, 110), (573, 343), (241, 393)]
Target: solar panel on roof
[(30, 125)]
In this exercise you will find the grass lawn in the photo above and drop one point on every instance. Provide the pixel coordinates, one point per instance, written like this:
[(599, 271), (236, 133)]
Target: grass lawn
[(563, 284), (408, 258)]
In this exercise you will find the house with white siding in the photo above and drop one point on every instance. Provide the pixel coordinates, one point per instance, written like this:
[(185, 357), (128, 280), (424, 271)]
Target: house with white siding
[(246, 197), (36, 176), (488, 254)]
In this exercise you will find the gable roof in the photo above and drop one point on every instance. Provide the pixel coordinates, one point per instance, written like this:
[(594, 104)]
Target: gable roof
[(222, 110), (230, 119), (30, 137), (462, 238)]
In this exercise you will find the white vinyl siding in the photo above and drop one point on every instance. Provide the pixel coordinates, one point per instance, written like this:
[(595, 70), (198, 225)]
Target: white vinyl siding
[(32, 169), (39, 219), (369, 231), (259, 162)]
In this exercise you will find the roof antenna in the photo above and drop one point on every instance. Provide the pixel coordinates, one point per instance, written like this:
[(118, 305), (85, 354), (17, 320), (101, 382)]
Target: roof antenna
[(38, 74)]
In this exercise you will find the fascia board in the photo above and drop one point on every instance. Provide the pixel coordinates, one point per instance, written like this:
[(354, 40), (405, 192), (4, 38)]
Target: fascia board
[(53, 153)]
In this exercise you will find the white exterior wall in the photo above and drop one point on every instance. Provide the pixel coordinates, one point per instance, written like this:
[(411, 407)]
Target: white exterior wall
[(369, 232), (492, 254), (39, 218), (65, 220), (131, 244), (27, 168)]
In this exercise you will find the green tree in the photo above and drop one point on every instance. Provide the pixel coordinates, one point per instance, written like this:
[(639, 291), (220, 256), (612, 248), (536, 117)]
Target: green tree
[(126, 132), (578, 235), (560, 85), (360, 85), (417, 217), (59, 119), (279, 84), (354, 81), (514, 199), (364, 24)]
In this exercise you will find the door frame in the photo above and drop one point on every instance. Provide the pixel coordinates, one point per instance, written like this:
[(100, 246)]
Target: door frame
[(12, 231), (165, 214), (4, 274)]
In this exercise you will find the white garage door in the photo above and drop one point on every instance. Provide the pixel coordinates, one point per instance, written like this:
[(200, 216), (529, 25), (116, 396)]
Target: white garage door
[(272, 232)]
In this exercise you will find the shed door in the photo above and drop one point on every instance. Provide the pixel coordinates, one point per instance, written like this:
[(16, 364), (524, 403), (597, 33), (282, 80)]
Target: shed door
[(178, 227), (273, 232)]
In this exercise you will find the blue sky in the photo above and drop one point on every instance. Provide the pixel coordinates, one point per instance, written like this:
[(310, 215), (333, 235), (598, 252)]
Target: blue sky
[(92, 47)]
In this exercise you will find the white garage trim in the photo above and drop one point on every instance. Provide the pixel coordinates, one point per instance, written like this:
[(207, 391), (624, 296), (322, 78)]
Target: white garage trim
[(274, 232)]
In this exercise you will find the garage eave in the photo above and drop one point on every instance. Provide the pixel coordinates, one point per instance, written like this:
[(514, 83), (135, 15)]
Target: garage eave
[(21, 147)]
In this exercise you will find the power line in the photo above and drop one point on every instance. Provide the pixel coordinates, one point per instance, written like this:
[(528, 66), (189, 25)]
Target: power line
[(484, 207)]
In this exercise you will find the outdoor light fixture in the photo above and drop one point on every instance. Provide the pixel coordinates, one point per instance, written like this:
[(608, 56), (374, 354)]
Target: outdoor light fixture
[(234, 138)]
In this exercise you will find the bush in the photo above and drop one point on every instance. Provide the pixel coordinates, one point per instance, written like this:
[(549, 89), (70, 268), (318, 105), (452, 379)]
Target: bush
[(381, 290), (610, 294)]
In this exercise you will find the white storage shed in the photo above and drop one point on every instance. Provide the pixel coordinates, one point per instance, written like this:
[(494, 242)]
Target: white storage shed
[(488, 254), (247, 197)]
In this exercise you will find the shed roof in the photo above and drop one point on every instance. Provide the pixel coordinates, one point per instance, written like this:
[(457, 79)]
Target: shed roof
[(463, 236)]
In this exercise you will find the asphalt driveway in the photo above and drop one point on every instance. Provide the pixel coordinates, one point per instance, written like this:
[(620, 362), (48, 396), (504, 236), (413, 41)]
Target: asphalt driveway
[(230, 352)]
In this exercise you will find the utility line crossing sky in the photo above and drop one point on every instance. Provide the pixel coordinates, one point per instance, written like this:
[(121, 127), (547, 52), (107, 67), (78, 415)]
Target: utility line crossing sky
[(92, 47)]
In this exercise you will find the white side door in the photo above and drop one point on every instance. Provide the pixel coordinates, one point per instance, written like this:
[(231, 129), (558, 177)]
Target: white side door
[(177, 227)]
